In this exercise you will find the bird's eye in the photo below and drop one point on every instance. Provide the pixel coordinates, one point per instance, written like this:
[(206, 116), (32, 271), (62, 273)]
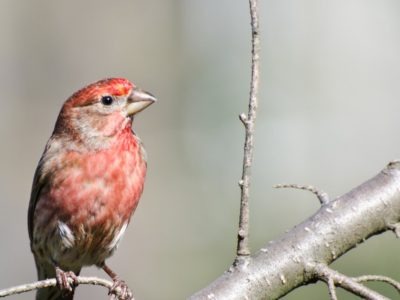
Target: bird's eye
[(107, 100)]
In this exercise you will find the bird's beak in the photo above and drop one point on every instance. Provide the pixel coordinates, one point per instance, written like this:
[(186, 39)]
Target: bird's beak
[(138, 100)]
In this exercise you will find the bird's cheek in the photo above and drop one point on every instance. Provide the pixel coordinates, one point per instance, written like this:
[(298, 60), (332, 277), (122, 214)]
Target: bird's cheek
[(114, 123)]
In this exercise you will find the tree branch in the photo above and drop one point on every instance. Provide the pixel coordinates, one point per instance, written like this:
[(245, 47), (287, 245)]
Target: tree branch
[(332, 289), (321, 195), (52, 282), (330, 276), (248, 122), (381, 278), (337, 227)]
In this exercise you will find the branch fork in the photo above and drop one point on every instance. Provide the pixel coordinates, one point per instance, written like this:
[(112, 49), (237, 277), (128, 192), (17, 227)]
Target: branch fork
[(351, 284), (244, 120)]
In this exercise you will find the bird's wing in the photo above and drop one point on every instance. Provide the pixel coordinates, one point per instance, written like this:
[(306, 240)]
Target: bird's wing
[(39, 182)]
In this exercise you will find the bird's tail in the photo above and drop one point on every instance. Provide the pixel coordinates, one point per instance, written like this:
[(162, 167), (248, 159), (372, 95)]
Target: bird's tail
[(46, 271)]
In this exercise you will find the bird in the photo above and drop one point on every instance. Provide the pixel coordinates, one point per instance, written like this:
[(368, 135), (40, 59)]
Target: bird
[(87, 185)]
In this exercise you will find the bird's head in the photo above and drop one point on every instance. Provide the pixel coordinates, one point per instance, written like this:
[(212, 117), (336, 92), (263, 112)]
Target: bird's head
[(101, 110)]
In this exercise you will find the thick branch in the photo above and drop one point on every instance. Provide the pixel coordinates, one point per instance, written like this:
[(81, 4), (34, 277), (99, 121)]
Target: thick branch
[(248, 122), (337, 227)]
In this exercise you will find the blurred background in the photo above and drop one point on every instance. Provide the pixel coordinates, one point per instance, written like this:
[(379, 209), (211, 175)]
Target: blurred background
[(328, 116)]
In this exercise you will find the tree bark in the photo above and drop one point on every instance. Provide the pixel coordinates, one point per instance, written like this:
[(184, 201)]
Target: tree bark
[(338, 226)]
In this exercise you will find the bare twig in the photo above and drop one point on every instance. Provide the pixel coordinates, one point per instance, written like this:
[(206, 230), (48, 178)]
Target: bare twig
[(328, 275), (321, 195), (248, 122), (52, 282), (332, 289), (381, 278)]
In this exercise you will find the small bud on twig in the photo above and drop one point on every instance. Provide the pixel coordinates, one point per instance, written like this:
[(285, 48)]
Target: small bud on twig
[(243, 118)]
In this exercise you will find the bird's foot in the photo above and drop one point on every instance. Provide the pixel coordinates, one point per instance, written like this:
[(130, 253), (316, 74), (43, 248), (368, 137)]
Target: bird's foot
[(120, 290), (63, 280)]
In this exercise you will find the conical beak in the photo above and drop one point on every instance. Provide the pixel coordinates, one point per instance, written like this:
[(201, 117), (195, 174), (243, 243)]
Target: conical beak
[(138, 100)]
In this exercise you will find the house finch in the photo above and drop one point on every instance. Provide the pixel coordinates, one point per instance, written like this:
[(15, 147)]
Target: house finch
[(87, 184)]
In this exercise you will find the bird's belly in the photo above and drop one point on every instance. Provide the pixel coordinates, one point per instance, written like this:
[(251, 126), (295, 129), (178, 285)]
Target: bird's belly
[(85, 216), (86, 247)]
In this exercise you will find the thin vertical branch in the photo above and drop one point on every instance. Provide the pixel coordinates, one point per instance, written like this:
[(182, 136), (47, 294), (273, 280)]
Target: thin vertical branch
[(248, 122)]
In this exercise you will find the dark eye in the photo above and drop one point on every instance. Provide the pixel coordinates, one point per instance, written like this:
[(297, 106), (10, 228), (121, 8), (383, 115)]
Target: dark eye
[(107, 100)]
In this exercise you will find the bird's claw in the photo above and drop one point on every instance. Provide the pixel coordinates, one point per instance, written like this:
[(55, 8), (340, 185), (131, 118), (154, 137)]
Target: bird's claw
[(120, 290), (63, 280)]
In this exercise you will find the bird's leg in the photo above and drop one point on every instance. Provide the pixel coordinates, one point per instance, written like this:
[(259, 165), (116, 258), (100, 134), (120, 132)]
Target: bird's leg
[(63, 280), (124, 292)]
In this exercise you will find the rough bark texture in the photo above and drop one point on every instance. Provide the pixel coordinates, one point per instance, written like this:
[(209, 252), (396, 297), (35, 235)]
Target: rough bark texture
[(338, 226)]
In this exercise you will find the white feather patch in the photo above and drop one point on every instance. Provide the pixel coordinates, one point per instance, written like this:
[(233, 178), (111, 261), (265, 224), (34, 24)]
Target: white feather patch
[(114, 243), (67, 237)]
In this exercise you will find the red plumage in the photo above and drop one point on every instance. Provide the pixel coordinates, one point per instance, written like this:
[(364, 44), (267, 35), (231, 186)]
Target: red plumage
[(88, 182)]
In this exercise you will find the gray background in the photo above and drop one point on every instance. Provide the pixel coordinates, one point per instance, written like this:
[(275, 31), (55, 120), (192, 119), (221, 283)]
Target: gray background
[(328, 116)]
